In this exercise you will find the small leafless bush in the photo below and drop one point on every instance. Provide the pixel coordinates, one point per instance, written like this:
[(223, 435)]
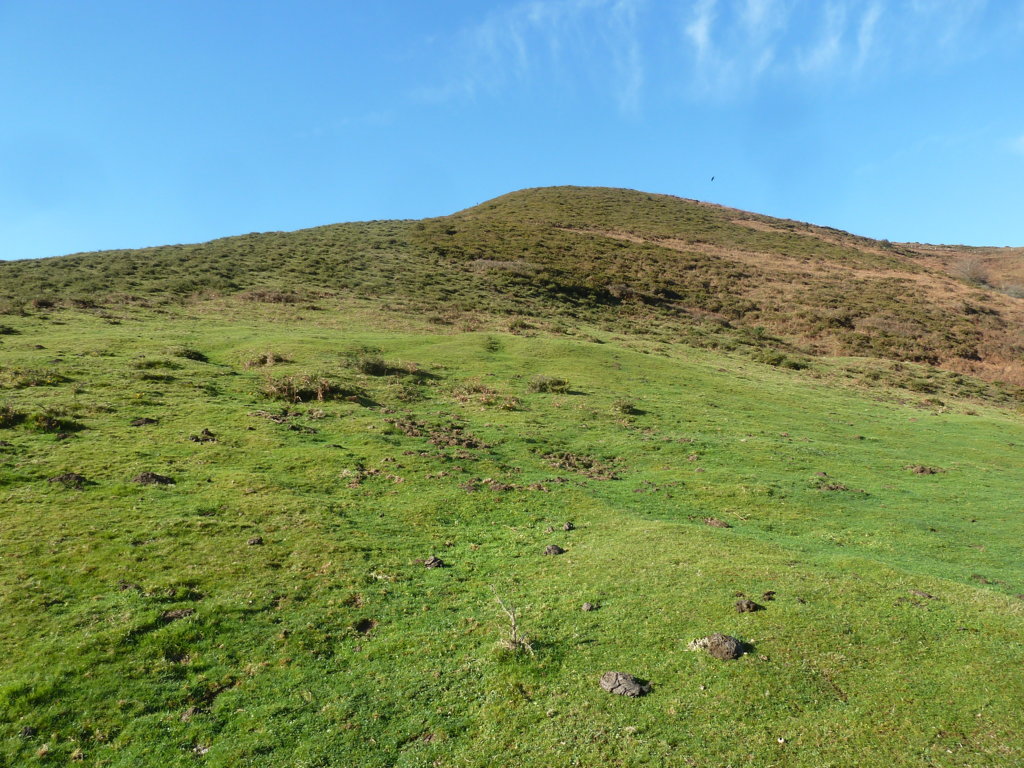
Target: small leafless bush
[(514, 641), (972, 270)]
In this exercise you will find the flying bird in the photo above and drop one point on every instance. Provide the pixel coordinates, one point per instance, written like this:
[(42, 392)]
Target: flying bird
[(712, 178)]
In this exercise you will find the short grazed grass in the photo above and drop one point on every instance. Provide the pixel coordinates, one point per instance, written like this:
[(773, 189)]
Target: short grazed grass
[(271, 607)]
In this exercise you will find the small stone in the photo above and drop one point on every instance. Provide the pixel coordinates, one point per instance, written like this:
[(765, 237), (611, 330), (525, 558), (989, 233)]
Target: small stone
[(624, 685), (433, 562), (589, 607), (769, 595), (255, 541), (714, 522), (553, 549), (568, 527), (747, 606)]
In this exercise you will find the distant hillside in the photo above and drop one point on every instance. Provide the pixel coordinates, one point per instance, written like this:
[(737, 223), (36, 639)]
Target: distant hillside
[(644, 263)]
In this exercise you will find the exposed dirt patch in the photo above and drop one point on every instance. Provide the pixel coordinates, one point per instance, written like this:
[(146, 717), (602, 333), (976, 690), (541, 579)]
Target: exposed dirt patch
[(178, 613), (364, 626), (152, 478), (584, 465), (71, 480)]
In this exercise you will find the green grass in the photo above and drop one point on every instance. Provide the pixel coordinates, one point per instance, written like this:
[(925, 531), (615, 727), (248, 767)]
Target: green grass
[(330, 644)]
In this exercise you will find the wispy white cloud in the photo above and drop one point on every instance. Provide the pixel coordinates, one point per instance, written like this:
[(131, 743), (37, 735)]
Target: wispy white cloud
[(547, 38), (866, 33), (717, 48), (828, 47)]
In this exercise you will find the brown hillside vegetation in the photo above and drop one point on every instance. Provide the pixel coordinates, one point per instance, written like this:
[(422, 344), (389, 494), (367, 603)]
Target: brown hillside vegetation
[(569, 257)]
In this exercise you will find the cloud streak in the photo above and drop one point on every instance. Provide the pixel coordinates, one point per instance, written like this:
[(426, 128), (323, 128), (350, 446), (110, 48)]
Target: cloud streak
[(547, 39), (718, 49)]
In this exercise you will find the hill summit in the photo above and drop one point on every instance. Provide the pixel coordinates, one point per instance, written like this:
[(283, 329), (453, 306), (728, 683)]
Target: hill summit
[(621, 259)]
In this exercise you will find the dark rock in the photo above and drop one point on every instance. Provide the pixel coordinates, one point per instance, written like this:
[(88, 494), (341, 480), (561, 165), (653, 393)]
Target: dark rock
[(433, 562), (768, 596), (747, 606), (553, 549), (255, 541), (624, 685), (70, 480), (143, 422), (714, 522), (568, 527), (152, 478)]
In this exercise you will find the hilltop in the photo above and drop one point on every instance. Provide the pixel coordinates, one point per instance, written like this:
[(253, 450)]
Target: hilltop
[(649, 264)]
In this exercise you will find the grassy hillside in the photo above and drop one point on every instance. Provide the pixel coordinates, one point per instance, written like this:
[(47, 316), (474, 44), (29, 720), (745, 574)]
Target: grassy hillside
[(271, 606), (225, 468), (656, 265)]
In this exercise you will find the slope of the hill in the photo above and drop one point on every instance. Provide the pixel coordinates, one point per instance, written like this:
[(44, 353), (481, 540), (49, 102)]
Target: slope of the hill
[(672, 268), (203, 564)]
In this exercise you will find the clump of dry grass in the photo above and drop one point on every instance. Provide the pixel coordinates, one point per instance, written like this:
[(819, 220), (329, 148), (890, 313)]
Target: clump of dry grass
[(266, 360), (303, 388)]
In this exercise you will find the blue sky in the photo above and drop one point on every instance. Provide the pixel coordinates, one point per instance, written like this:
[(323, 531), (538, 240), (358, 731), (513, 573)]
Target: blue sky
[(127, 124)]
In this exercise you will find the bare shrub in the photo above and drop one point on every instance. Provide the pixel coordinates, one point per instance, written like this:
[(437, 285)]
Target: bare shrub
[(514, 641), (972, 270)]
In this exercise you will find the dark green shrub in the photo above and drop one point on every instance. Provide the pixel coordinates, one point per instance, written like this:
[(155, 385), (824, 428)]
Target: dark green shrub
[(10, 417)]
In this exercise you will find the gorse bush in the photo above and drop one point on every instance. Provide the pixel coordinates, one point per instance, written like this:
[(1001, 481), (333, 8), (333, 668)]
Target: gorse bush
[(10, 417)]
